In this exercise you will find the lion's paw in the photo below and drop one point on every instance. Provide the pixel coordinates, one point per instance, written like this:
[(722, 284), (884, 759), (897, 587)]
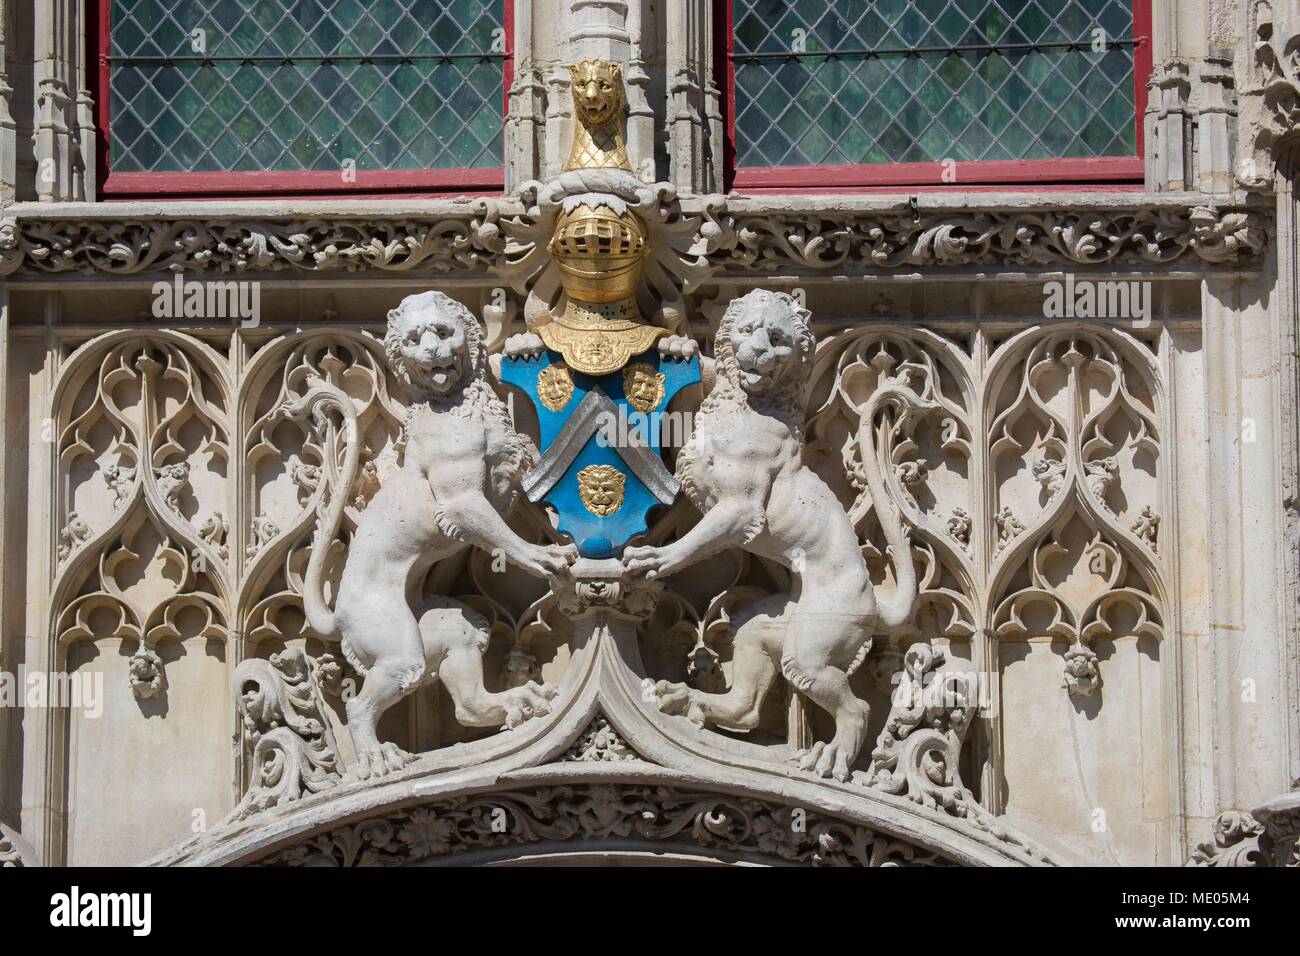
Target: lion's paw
[(376, 760), (679, 700), (681, 347), (650, 561), (525, 345), (524, 703), (825, 760)]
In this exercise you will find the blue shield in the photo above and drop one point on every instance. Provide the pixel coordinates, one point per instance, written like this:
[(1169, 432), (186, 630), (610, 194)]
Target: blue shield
[(600, 467)]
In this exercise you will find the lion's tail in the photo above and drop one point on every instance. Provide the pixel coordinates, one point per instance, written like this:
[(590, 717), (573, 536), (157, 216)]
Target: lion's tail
[(318, 402), (898, 394)]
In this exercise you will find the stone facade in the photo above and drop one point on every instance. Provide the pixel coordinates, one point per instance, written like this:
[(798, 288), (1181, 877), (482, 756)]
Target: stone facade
[(1078, 541)]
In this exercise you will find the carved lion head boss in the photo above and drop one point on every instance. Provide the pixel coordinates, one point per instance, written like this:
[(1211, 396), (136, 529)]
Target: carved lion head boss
[(592, 366)]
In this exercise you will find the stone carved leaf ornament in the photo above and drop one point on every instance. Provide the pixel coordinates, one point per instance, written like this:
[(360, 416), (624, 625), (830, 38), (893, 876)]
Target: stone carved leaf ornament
[(142, 446), (1075, 454), (288, 468), (824, 240), (469, 241), (714, 234)]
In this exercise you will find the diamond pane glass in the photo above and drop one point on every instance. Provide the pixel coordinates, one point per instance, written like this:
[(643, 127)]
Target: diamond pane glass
[(838, 82), (294, 85)]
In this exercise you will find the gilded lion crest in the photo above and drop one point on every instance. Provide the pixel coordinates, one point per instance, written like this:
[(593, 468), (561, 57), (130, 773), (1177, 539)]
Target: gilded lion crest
[(601, 489), (555, 386), (643, 386)]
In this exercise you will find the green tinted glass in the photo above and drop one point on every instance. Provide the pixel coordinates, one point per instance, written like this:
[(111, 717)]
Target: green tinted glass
[(892, 81), (291, 85)]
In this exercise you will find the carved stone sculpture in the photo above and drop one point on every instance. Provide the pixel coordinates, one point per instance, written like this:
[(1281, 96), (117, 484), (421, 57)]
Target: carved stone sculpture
[(263, 530), (173, 479), (743, 469), (284, 716), (146, 673), (214, 531), (918, 752), (598, 100), (462, 461), (1239, 841), (74, 534), (1270, 101), (120, 478)]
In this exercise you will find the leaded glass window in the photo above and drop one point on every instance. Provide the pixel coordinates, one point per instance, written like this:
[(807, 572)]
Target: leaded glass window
[(304, 85), (846, 82)]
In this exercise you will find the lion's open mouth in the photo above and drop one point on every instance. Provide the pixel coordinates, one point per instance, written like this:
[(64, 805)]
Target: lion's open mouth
[(443, 377), (752, 377)]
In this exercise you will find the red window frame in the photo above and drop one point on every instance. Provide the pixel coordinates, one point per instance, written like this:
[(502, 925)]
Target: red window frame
[(1103, 171), (135, 185)]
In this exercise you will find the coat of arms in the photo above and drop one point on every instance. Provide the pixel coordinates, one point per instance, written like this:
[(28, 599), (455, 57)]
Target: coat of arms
[(598, 379)]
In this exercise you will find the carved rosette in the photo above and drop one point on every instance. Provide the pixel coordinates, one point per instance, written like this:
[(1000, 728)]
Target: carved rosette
[(600, 743)]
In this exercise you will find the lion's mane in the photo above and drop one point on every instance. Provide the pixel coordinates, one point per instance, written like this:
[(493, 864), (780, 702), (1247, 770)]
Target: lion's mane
[(473, 398), (720, 412)]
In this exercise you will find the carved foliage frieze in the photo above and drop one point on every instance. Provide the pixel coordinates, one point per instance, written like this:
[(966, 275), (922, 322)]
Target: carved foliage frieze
[(698, 241), (661, 817)]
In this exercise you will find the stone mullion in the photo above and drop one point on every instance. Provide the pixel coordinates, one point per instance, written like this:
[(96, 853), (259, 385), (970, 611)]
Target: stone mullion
[(1288, 298), (57, 27), (640, 115), (559, 120), (985, 648), (85, 184), (525, 120), (9, 639), (688, 49), (46, 736), (1175, 686), (8, 127), (236, 495), (1244, 496)]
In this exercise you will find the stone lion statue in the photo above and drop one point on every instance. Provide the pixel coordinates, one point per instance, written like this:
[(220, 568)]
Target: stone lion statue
[(462, 461), (743, 469)]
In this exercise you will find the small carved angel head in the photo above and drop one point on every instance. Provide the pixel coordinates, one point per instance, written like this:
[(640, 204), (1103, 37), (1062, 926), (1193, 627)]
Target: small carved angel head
[(764, 341), (433, 343), (597, 90)]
